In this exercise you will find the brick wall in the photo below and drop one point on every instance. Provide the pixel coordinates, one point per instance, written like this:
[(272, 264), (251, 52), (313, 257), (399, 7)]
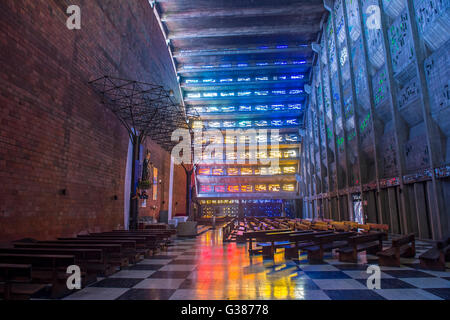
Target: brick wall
[(54, 133)]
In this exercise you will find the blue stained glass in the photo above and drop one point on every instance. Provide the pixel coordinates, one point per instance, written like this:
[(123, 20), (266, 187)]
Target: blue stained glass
[(296, 106), (227, 94), (295, 91), (262, 78), (261, 123), (210, 94), (209, 80), (207, 67), (242, 65), (261, 93), (228, 109), (292, 122), (213, 109), (291, 138), (245, 108), (282, 47), (278, 92), (226, 80), (243, 79), (193, 95), (245, 124), (264, 47), (229, 124), (226, 65), (191, 81), (214, 124), (277, 107), (299, 62), (262, 64), (261, 108), (277, 123), (282, 77), (188, 67), (294, 77), (244, 93), (280, 63)]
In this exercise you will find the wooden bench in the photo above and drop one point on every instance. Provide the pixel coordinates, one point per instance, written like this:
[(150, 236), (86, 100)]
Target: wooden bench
[(111, 252), (374, 227), (299, 241), (15, 282), (402, 247), (371, 243), (126, 256), (250, 235), (326, 242), (271, 241), (47, 269), (435, 258), (87, 259)]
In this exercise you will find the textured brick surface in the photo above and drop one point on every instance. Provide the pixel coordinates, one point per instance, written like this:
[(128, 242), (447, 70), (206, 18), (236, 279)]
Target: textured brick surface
[(54, 133)]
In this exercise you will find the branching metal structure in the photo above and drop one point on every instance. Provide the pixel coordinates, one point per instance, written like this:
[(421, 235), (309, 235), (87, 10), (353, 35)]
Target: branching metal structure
[(146, 110)]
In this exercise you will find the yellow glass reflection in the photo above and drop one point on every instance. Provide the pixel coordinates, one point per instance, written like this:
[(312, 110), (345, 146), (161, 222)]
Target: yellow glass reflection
[(246, 171), (233, 171), (197, 124), (288, 187)]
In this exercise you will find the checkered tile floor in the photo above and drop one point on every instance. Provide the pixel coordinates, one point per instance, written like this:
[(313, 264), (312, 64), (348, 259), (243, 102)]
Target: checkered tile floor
[(203, 268)]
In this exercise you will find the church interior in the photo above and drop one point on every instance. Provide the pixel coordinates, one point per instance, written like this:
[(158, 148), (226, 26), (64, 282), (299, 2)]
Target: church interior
[(225, 150)]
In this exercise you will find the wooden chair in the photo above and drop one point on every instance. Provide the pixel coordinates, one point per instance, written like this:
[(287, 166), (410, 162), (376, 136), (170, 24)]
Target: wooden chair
[(402, 247)]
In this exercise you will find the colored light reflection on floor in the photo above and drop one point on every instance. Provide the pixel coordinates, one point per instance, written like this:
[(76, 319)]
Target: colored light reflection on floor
[(228, 271)]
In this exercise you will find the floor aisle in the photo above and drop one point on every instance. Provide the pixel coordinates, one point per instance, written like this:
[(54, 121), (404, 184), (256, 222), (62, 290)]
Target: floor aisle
[(204, 268)]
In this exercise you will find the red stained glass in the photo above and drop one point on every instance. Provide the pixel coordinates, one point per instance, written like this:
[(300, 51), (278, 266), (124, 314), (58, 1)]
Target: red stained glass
[(204, 171), (219, 188), (206, 188)]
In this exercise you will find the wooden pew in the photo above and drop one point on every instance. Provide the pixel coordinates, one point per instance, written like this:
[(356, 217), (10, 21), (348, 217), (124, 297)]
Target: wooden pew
[(299, 241), (402, 247), (46, 269), (250, 235), (145, 244), (15, 282), (128, 254), (435, 258), (87, 259), (326, 242), (378, 227), (371, 243), (272, 240), (111, 252)]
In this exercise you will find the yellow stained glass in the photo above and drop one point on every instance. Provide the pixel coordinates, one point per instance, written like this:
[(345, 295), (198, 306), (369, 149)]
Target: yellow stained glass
[(247, 188), (290, 154), (260, 187), (246, 171), (274, 187), (232, 171), (288, 170), (288, 187), (275, 154)]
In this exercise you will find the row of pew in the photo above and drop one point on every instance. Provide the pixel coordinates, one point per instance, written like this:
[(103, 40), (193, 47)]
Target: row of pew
[(348, 243), (30, 268)]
